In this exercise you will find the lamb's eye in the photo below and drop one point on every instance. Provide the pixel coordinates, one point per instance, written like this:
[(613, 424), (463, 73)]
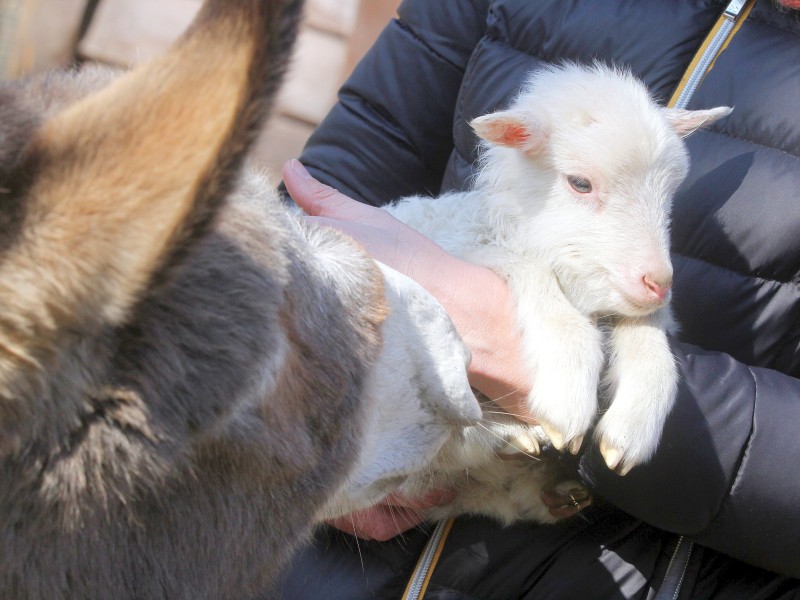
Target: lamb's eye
[(579, 184)]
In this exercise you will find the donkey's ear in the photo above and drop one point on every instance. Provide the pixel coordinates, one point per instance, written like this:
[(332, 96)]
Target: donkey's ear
[(513, 129), (686, 122), (121, 182)]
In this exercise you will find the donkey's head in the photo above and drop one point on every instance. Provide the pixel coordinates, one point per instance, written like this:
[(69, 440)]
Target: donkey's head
[(127, 339)]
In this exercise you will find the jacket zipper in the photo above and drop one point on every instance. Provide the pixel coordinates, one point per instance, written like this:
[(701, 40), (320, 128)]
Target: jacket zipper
[(712, 49), (671, 585), (723, 30), (423, 571)]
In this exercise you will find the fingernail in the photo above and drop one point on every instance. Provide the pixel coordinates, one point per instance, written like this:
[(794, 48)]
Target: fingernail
[(296, 166)]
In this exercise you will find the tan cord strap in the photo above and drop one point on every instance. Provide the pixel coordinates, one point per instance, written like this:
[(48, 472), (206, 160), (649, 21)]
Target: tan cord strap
[(415, 590), (704, 48)]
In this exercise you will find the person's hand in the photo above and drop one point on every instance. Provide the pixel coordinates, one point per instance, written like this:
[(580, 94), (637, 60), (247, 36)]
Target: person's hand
[(476, 298), (395, 515), (481, 307)]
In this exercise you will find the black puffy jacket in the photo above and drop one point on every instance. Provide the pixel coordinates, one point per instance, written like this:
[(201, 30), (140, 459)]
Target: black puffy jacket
[(724, 475)]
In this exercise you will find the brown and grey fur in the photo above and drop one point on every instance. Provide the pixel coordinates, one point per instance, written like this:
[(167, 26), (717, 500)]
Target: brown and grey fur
[(171, 421)]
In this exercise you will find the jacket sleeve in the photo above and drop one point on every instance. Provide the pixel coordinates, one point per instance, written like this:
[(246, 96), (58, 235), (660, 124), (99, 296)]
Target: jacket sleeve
[(725, 471), (390, 134)]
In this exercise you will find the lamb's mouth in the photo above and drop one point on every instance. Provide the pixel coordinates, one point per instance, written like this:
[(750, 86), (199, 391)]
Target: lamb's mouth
[(638, 307)]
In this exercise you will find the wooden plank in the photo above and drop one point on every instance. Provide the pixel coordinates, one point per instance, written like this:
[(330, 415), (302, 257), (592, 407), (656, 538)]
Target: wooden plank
[(12, 15), (315, 76), (373, 16), (55, 32), (127, 33), (39, 35), (334, 16)]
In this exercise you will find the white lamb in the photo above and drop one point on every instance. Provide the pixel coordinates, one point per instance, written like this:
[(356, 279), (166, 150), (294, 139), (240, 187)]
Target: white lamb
[(571, 205)]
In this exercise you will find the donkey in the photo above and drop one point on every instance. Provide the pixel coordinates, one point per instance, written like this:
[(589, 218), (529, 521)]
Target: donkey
[(190, 377)]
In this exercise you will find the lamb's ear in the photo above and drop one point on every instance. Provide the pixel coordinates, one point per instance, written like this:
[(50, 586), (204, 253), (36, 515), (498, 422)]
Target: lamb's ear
[(513, 129), (685, 122)]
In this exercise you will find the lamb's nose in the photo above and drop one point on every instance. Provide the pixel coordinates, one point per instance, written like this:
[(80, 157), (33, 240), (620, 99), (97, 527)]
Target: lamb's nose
[(657, 289)]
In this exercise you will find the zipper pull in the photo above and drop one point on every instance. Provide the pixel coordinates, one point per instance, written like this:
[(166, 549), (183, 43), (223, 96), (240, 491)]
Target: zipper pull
[(733, 9), (714, 44)]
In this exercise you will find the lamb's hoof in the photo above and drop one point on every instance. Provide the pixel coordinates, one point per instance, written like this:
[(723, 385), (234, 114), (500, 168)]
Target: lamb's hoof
[(575, 444), (556, 437), (560, 442), (613, 457), (521, 444)]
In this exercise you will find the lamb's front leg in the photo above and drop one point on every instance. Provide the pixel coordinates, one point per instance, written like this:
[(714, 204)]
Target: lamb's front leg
[(564, 351), (642, 381)]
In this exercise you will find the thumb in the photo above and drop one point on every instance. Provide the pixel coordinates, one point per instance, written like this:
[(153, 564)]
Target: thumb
[(314, 197)]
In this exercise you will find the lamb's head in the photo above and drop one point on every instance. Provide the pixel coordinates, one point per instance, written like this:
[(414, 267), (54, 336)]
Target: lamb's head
[(580, 171)]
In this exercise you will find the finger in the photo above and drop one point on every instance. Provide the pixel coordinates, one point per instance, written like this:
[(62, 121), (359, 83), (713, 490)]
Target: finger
[(379, 523), (356, 231), (311, 195), (316, 198), (362, 235), (392, 521), (394, 515)]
